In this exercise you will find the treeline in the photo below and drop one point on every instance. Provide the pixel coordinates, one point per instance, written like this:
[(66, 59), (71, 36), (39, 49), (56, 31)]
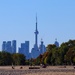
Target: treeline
[(11, 59), (64, 55)]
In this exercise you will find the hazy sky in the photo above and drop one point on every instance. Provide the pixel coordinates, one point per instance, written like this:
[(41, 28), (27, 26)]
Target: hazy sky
[(56, 19)]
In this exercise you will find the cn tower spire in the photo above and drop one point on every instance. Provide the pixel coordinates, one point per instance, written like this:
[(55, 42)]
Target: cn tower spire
[(36, 21), (36, 32)]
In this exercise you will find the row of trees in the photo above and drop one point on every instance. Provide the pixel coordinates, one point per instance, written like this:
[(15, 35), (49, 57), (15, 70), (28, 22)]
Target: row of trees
[(11, 59), (64, 55)]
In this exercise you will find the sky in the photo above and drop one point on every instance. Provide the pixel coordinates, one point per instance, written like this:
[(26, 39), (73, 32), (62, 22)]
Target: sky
[(56, 19)]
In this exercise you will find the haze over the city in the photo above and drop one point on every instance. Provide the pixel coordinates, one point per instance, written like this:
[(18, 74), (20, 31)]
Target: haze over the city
[(56, 19)]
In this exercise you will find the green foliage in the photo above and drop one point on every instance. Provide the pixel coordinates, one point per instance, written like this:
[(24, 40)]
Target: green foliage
[(7, 59), (65, 54), (50, 47), (49, 58), (45, 60), (38, 61), (18, 59), (27, 62)]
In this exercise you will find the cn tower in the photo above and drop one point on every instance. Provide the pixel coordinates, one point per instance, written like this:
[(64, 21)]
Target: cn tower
[(36, 33)]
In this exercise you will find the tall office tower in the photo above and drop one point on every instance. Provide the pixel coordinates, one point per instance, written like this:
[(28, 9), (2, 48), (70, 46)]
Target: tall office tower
[(27, 49), (27, 45), (8, 47), (14, 46), (56, 43), (24, 49), (35, 51), (4, 46), (42, 48), (19, 50)]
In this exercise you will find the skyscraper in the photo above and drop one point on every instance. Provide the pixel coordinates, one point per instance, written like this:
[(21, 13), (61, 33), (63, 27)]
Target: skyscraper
[(4, 46), (14, 46), (8, 47), (24, 49), (27, 49)]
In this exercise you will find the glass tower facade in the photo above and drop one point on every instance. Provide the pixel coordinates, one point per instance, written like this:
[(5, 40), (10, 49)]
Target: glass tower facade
[(24, 49), (8, 47), (14, 46), (4, 46)]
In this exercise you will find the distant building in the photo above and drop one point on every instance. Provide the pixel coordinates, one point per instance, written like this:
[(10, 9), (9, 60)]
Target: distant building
[(42, 48), (56, 43), (35, 53), (27, 49), (24, 49), (4, 46), (8, 47), (14, 46)]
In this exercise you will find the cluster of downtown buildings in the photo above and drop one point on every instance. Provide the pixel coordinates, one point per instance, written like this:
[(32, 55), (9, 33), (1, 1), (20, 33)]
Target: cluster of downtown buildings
[(10, 46)]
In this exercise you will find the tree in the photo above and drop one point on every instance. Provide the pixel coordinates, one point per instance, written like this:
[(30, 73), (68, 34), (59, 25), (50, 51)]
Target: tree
[(49, 58), (18, 59), (65, 54), (50, 47), (5, 58)]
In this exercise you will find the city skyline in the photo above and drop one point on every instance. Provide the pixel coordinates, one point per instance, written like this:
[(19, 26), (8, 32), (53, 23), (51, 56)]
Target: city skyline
[(55, 20), (24, 48)]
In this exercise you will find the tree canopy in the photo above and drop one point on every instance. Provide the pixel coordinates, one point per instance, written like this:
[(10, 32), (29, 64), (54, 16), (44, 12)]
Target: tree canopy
[(63, 55), (9, 59)]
